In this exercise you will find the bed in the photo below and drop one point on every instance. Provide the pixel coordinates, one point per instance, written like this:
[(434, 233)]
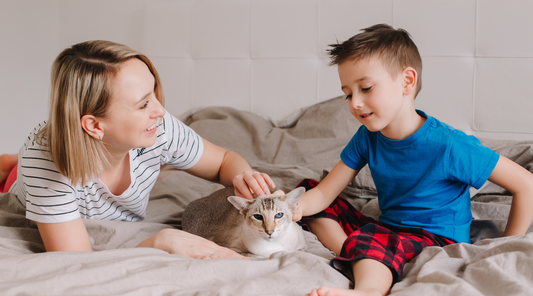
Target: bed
[(252, 76), (305, 148)]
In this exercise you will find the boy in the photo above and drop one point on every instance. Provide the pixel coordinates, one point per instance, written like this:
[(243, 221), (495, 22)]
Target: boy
[(422, 169)]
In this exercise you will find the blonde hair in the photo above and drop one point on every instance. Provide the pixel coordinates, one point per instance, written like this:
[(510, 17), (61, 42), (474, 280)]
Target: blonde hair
[(81, 85), (394, 47)]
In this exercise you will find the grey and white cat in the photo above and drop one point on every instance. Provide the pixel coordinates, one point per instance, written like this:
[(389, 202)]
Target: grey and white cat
[(260, 226)]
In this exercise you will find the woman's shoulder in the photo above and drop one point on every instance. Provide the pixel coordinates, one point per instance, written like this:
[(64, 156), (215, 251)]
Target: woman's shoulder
[(176, 143), (172, 130), (169, 130), (169, 124), (36, 142), (35, 159)]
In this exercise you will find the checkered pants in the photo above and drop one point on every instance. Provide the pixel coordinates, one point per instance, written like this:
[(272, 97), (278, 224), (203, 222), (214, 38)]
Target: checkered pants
[(367, 238)]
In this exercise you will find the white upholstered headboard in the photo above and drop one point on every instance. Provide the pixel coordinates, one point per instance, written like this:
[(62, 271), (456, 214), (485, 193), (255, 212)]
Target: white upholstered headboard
[(268, 56)]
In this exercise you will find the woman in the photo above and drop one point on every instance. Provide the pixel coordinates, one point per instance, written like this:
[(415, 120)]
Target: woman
[(100, 152)]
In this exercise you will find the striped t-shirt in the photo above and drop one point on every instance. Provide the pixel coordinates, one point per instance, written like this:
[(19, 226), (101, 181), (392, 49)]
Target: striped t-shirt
[(50, 197)]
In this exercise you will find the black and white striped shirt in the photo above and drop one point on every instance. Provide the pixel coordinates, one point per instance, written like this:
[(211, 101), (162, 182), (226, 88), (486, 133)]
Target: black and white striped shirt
[(50, 197)]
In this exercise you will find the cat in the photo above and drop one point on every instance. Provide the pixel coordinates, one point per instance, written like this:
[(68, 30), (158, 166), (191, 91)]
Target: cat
[(253, 227)]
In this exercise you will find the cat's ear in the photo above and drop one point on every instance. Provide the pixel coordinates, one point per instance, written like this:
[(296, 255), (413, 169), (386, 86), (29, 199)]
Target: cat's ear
[(240, 203), (293, 198)]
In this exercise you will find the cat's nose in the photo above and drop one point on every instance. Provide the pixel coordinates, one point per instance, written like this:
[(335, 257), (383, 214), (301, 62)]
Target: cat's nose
[(269, 231)]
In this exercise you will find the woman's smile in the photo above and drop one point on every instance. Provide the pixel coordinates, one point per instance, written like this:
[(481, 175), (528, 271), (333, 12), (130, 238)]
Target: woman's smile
[(152, 128)]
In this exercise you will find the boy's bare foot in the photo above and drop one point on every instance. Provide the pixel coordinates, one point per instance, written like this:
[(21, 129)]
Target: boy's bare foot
[(329, 291), (7, 162)]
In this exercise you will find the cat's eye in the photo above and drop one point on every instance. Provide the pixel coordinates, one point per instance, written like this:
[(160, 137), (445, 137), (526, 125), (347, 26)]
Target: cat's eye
[(279, 215), (258, 217)]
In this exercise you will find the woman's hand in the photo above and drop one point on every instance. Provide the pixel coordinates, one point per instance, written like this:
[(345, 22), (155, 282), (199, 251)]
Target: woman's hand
[(228, 168), (251, 182), (176, 241)]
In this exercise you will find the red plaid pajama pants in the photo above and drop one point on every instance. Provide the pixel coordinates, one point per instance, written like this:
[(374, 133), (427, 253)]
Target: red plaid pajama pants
[(367, 238)]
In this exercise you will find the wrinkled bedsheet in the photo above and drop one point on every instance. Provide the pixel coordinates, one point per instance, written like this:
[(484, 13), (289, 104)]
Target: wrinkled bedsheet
[(306, 147)]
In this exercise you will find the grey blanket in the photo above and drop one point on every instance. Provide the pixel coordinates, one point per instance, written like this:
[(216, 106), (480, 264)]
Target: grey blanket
[(306, 148)]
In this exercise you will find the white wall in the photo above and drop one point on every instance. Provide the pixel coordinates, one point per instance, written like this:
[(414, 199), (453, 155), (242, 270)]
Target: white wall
[(29, 39), (268, 56), (478, 55), (32, 34)]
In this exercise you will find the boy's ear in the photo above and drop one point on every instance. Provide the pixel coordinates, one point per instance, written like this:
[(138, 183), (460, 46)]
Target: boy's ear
[(410, 79), (91, 126)]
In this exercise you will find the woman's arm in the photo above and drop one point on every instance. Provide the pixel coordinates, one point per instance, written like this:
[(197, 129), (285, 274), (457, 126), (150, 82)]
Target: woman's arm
[(65, 236), (72, 236), (176, 241), (320, 197), (519, 182), (228, 168)]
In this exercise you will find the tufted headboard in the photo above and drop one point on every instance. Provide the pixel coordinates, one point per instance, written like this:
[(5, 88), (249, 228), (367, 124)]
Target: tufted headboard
[(268, 56)]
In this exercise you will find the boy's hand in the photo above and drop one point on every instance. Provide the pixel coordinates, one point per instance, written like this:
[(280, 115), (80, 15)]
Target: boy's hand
[(298, 213), (279, 192), (250, 182)]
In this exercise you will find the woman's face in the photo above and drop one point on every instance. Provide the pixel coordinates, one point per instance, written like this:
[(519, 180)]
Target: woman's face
[(134, 110)]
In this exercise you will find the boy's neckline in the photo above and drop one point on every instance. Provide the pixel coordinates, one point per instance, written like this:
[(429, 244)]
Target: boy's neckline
[(412, 138)]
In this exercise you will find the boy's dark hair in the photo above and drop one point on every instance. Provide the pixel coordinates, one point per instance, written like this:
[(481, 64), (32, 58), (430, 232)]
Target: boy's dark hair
[(393, 46)]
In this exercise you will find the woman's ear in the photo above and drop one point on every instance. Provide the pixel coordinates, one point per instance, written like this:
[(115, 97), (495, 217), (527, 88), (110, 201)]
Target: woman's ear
[(410, 79), (91, 126)]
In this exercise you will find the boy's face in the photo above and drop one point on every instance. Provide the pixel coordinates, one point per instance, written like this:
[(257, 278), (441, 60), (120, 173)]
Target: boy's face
[(374, 97)]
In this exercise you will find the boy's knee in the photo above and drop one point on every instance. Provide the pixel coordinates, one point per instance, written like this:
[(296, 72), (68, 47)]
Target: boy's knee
[(317, 224), (329, 232)]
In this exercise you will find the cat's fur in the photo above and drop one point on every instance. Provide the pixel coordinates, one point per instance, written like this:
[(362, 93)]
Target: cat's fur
[(229, 221)]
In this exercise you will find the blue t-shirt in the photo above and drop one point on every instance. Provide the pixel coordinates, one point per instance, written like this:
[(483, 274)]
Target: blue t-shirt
[(423, 181)]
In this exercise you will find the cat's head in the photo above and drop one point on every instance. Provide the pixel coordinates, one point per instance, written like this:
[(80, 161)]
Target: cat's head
[(269, 214)]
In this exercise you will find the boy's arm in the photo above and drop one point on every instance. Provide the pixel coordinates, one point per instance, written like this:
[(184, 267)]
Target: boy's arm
[(519, 182), (320, 197)]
